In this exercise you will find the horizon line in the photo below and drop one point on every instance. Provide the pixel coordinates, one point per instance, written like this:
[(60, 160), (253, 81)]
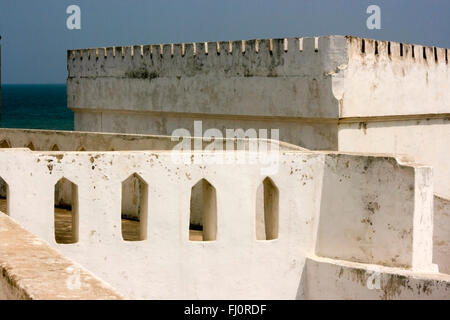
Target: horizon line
[(44, 83)]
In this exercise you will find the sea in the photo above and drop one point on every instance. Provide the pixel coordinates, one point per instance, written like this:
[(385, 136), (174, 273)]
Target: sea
[(35, 106)]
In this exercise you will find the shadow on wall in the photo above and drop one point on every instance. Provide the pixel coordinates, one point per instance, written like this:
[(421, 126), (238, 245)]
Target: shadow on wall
[(302, 286), (66, 214), (267, 210), (134, 208), (4, 196)]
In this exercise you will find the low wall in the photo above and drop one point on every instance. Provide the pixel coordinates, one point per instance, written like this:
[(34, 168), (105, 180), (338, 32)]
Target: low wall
[(360, 221), (58, 140), (178, 268), (386, 78), (343, 280), (30, 269), (327, 77)]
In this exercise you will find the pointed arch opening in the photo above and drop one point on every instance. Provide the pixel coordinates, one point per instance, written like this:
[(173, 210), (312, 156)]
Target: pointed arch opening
[(134, 208), (5, 144), (4, 196), (55, 148), (66, 212), (30, 146), (267, 197), (203, 212)]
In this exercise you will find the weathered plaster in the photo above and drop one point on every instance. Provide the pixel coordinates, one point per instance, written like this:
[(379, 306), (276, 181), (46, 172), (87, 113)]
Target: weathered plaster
[(344, 280)]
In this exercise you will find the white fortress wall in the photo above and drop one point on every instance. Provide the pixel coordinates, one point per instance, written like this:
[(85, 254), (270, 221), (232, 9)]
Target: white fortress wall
[(175, 267), (323, 93), (47, 140), (441, 233), (167, 265), (53, 140), (398, 103), (360, 219), (307, 133), (134, 82), (425, 140), (385, 78), (270, 83)]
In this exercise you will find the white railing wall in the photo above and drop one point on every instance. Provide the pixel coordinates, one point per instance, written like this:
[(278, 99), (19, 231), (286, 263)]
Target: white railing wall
[(314, 190)]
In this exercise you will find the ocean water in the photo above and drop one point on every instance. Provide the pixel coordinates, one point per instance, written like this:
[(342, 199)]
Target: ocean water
[(42, 106)]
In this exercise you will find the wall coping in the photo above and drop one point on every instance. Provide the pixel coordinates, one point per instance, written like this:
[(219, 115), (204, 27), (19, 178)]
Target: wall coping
[(30, 269)]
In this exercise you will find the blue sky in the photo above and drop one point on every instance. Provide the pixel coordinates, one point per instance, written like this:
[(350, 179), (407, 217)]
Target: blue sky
[(35, 37)]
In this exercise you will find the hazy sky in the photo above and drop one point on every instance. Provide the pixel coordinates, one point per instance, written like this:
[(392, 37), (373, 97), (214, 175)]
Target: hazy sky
[(35, 37)]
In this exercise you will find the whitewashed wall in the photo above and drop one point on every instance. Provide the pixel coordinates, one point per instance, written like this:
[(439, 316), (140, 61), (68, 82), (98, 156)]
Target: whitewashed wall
[(167, 264), (51, 140)]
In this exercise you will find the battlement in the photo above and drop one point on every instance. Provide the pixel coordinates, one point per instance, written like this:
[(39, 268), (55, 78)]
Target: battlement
[(397, 50), (234, 58), (292, 78), (164, 55)]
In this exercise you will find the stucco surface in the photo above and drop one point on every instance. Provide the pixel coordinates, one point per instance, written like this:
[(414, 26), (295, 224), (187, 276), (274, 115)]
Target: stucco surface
[(424, 140), (337, 279), (208, 82)]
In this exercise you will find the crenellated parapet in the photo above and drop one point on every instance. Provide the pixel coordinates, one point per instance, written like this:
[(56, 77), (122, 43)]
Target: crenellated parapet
[(273, 54), (264, 78), (273, 57), (391, 79), (390, 50)]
